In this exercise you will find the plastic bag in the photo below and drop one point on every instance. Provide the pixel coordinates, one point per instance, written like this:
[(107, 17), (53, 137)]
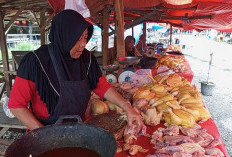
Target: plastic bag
[(164, 70), (5, 107), (79, 6), (140, 77)]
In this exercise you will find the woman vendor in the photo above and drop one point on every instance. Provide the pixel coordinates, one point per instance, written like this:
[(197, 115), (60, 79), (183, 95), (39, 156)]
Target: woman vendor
[(57, 79), (130, 48)]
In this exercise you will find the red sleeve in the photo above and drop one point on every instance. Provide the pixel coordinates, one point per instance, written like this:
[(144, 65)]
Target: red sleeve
[(21, 93), (102, 87)]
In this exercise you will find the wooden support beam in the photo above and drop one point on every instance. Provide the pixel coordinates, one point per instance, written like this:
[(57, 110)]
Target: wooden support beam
[(119, 23), (144, 35), (155, 8), (141, 19), (170, 35), (132, 31), (187, 18), (105, 37), (98, 18), (13, 19), (48, 20), (4, 54), (36, 19), (42, 28)]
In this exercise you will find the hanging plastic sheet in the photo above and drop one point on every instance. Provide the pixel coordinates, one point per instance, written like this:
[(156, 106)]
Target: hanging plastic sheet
[(79, 6)]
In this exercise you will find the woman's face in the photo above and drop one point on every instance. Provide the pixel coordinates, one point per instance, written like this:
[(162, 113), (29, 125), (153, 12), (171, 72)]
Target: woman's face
[(78, 48), (131, 45)]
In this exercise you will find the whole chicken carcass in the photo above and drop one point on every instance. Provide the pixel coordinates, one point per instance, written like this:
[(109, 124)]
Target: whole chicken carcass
[(99, 107), (174, 80), (192, 100), (163, 99), (171, 118), (187, 118), (183, 96), (158, 88), (144, 93), (169, 104), (151, 117), (204, 113), (195, 113)]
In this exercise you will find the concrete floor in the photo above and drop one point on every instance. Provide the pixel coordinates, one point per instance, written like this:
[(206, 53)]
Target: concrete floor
[(197, 52)]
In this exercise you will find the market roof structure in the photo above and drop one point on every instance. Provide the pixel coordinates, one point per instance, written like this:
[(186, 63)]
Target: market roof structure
[(188, 14)]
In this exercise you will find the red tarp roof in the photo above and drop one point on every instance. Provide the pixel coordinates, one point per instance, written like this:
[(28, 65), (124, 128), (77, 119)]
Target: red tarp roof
[(220, 10)]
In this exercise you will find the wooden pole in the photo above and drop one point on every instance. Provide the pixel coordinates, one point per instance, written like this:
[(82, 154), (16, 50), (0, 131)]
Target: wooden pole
[(170, 35), (144, 36), (154, 14), (42, 27), (4, 54), (119, 22), (132, 31), (105, 37), (7, 27)]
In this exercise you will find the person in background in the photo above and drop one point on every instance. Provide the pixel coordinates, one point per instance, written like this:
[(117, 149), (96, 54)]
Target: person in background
[(57, 79), (130, 48), (139, 45)]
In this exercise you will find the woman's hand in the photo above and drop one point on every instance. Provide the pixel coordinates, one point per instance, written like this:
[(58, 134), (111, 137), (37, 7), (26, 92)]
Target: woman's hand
[(134, 118)]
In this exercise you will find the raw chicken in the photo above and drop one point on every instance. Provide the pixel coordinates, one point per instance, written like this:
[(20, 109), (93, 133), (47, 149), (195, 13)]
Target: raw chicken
[(151, 117), (175, 140), (140, 102), (214, 152), (172, 130), (170, 150), (191, 148), (129, 138)]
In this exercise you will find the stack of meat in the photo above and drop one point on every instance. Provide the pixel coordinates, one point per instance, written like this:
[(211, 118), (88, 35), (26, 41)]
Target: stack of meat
[(190, 142), (173, 62), (170, 98)]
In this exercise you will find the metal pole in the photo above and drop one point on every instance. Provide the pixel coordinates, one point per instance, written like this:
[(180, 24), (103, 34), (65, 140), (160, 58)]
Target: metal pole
[(210, 63)]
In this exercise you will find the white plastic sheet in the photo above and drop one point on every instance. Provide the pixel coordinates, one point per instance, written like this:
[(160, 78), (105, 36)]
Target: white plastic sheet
[(140, 77), (79, 6), (5, 107)]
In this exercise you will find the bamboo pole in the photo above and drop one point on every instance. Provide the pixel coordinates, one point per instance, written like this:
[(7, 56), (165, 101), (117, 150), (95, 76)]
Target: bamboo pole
[(105, 37), (4, 54)]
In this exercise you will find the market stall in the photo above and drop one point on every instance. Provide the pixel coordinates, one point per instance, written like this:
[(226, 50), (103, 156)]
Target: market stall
[(189, 15), (166, 134)]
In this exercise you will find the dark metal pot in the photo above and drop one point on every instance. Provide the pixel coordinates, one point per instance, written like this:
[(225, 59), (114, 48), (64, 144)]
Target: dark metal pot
[(147, 63), (69, 131)]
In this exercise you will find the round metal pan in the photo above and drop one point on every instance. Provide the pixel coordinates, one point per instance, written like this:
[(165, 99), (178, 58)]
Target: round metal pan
[(128, 60), (68, 132)]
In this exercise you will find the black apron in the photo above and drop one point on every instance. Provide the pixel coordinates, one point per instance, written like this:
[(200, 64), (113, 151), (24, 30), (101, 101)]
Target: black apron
[(73, 98)]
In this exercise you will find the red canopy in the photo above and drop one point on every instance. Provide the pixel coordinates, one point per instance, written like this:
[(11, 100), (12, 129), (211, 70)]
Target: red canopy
[(193, 13)]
